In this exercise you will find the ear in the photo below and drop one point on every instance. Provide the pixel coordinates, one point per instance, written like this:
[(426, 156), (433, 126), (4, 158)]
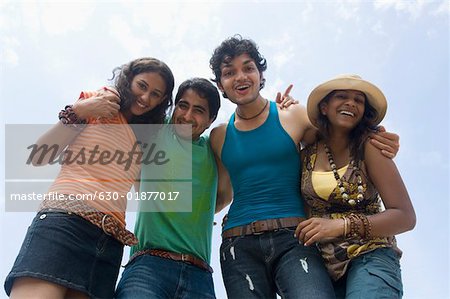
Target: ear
[(211, 120), (323, 107), (219, 85)]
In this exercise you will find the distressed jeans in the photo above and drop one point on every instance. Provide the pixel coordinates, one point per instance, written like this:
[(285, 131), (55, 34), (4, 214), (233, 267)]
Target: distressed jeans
[(260, 266), (159, 278)]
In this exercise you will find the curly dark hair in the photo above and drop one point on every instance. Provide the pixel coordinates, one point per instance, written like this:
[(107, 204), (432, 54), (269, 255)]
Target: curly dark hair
[(123, 76), (205, 90), (358, 134), (231, 48)]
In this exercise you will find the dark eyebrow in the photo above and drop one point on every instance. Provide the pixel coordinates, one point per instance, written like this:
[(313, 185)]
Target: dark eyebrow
[(200, 107), (229, 64), (226, 64), (143, 82), (157, 90), (249, 61)]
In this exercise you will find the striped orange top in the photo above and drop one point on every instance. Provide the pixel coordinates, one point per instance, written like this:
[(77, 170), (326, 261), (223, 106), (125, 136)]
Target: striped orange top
[(97, 166)]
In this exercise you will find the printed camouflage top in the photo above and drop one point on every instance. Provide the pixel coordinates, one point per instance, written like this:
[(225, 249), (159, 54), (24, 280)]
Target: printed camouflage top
[(338, 252)]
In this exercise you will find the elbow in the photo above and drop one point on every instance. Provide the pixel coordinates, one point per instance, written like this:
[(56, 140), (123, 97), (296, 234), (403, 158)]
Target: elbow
[(412, 221), (409, 221)]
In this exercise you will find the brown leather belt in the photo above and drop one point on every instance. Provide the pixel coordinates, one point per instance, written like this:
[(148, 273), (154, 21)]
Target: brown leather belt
[(260, 226), (106, 222), (186, 258)]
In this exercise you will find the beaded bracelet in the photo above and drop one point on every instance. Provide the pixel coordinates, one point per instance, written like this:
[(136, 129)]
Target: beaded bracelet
[(354, 226), (69, 118), (367, 226)]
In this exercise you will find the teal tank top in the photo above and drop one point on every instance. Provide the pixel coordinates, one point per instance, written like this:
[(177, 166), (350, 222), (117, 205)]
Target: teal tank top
[(264, 167)]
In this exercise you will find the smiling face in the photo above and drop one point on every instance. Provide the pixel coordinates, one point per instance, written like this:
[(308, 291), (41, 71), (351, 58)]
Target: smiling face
[(148, 90), (193, 110), (240, 79), (344, 108)]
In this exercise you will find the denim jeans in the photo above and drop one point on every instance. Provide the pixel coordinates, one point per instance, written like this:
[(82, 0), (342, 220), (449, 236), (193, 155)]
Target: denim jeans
[(150, 276), (373, 275), (259, 266)]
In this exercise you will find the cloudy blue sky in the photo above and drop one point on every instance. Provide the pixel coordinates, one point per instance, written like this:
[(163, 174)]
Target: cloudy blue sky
[(49, 51)]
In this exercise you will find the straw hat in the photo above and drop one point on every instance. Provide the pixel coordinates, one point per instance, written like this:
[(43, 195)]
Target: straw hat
[(374, 95)]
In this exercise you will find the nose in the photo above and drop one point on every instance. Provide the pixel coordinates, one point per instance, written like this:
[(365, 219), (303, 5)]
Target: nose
[(241, 75), (188, 115), (145, 97), (351, 102)]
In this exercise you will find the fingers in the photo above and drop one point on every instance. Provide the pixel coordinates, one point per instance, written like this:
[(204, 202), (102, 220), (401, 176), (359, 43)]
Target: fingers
[(278, 98), (288, 101), (309, 234), (288, 90), (112, 90), (312, 237), (299, 228), (388, 143), (302, 228), (306, 233), (108, 94), (385, 149)]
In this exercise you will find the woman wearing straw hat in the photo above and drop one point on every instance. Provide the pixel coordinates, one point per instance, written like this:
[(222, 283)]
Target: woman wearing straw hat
[(345, 182)]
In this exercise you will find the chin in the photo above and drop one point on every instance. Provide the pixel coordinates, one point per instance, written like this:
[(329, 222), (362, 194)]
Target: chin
[(185, 134), (139, 112)]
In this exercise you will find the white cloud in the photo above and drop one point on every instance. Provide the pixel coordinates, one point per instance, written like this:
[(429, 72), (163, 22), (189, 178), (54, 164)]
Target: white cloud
[(10, 57), (283, 49), (414, 7), (62, 17), (443, 8), (121, 30), (9, 54), (348, 9), (378, 29), (31, 19)]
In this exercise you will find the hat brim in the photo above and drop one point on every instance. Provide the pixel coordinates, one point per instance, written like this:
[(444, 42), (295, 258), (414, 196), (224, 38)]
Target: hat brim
[(374, 95)]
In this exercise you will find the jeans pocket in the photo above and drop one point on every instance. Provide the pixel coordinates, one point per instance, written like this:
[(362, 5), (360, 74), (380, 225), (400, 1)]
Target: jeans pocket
[(393, 287), (229, 242), (227, 247), (384, 265)]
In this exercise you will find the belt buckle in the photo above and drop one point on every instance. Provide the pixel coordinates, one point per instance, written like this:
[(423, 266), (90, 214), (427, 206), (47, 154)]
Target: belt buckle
[(103, 224), (184, 257), (253, 228)]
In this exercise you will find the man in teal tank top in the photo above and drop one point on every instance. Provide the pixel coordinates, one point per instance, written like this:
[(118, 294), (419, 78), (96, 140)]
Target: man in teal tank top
[(173, 255), (257, 158), (257, 154)]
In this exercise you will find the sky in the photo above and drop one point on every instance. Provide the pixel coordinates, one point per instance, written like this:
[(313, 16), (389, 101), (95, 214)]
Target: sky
[(50, 51)]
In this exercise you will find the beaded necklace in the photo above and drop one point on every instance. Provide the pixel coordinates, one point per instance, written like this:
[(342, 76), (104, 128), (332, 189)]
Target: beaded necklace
[(340, 182)]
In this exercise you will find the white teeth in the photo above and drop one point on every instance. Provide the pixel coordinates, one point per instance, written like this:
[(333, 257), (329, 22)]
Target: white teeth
[(141, 105), (241, 87), (347, 113)]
